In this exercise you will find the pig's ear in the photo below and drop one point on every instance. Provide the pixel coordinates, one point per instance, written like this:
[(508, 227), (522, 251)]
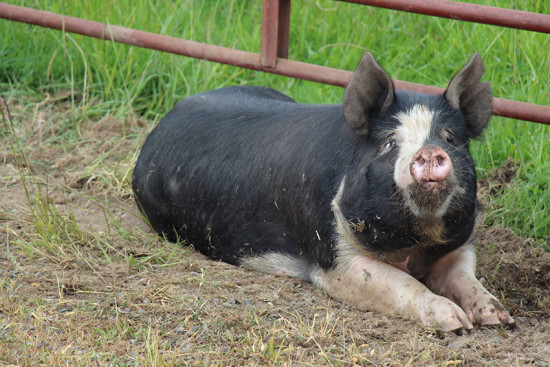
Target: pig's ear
[(369, 92), (474, 98)]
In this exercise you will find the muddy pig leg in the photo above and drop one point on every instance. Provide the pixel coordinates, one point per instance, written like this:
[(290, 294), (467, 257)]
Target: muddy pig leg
[(376, 286), (453, 276)]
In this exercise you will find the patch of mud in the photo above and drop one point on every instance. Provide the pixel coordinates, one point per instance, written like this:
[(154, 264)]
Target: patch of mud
[(498, 179), (515, 268)]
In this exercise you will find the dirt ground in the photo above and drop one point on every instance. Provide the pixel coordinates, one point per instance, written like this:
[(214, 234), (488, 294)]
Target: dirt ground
[(109, 292)]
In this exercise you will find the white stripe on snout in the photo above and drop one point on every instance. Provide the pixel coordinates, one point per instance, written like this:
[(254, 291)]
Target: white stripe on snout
[(412, 133)]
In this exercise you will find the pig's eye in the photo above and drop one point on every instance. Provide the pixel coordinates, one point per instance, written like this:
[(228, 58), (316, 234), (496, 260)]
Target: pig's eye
[(389, 143), (448, 136)]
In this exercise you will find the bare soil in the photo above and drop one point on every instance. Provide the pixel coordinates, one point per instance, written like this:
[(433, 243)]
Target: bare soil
[(119, 295)]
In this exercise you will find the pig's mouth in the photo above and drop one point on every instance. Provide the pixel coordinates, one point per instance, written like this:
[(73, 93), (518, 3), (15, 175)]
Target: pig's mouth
[(430, 197)]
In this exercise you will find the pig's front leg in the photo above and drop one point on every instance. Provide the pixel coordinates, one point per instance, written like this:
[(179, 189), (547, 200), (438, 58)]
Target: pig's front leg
[(376, 286), (453, 276)]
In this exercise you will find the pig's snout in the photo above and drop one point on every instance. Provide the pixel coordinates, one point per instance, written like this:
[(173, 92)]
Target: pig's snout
[(431, 166)]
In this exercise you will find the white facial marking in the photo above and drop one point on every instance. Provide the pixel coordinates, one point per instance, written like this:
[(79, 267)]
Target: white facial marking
[(412, 134), (413, 131)]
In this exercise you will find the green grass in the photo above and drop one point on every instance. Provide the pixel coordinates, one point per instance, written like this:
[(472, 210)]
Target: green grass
[(107, 79)]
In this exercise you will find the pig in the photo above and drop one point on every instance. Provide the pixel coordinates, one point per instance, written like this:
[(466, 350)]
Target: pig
[(373, 201)]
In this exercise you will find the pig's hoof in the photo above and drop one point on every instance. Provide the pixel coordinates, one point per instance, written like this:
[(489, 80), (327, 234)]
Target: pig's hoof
[(444, 314), (486, 310)]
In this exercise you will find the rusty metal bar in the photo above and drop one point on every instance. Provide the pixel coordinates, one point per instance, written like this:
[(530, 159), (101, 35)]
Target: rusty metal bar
[(173, 45), (501, 107), (468, 12), (296, 69), (275, 31), (270, 29), (284, 29)]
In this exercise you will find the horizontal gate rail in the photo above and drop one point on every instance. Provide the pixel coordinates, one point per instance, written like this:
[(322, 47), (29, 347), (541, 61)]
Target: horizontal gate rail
[(275, 17), (468, 12)]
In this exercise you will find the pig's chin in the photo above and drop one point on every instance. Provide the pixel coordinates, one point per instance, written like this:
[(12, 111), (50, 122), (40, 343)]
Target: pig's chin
[(429, 199)]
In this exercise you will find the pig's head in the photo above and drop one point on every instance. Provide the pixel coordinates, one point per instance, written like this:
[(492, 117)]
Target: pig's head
[(421, 141)]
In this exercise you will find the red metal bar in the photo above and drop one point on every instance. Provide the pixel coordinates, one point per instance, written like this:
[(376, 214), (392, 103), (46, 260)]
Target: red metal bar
[(296, 69), (501, 107), (275, 31), (173, 45), (468, 12), (284, 28), (270, 28)]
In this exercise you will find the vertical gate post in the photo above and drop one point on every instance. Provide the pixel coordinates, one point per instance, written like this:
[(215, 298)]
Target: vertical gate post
[(275, 31), (284, 28)]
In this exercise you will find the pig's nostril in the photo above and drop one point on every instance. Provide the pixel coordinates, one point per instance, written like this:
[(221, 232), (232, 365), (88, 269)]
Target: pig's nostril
[(441, 161)]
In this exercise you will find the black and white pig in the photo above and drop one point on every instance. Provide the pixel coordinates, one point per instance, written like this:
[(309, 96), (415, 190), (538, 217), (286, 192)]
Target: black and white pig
[(373, 201)]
